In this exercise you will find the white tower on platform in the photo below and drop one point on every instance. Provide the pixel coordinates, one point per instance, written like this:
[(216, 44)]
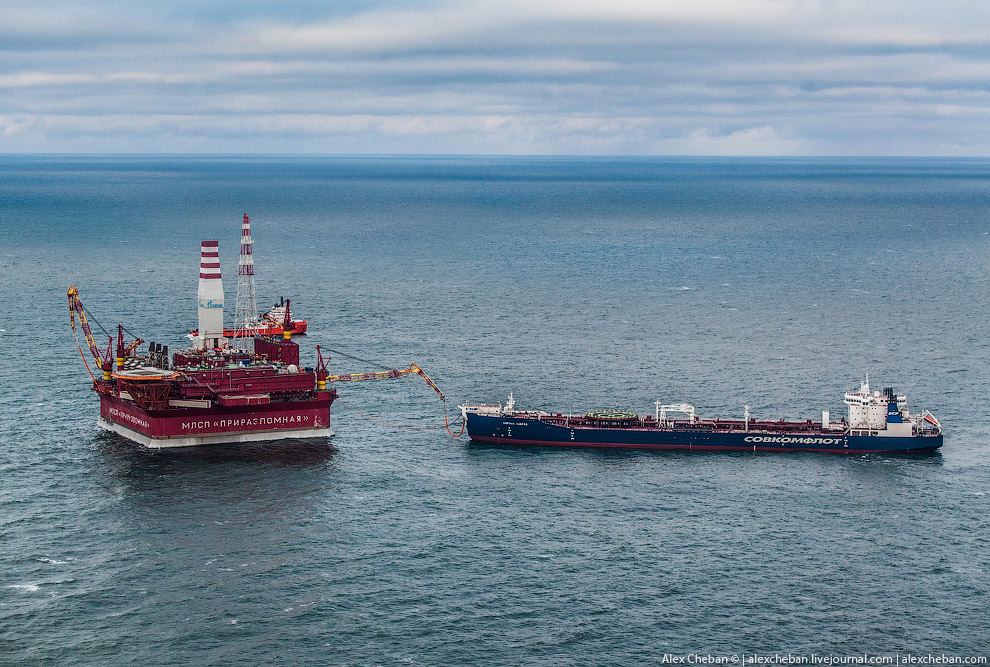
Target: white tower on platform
[(210, 296), (246, 307)]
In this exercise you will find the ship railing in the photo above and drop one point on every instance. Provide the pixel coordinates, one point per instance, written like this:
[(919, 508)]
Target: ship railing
[(922, 426), (682, 408)]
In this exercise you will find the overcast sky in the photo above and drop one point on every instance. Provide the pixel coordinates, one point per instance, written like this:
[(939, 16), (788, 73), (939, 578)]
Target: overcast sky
[(688, 77)]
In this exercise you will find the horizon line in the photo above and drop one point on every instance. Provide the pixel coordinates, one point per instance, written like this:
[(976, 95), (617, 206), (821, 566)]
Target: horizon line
[(498, 155)]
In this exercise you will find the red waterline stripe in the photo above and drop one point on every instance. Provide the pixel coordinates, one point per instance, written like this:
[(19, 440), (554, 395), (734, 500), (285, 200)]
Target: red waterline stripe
[(729, 448)]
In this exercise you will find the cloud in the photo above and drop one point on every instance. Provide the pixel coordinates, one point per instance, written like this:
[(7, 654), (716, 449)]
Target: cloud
[(585, 76), (762, 140), (35, 79)]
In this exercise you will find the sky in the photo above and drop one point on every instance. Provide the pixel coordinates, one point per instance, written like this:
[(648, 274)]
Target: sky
[(550, 77)]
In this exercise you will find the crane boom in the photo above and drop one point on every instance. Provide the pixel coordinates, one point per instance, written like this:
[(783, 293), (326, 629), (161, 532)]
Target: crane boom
[(104, 359), (387, 375), (76, 308)]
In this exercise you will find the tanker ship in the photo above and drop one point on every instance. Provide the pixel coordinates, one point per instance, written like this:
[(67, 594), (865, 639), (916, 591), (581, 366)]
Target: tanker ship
[(212, 392), (877, 422)]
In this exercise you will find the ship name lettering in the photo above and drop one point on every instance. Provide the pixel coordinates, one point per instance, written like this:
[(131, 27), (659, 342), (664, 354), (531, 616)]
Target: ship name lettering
[(127, 417), (251, 422), (788, 440), (245, 422)]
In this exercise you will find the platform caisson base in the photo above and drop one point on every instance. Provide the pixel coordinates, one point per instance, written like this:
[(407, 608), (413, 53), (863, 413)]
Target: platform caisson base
[(213, 439)]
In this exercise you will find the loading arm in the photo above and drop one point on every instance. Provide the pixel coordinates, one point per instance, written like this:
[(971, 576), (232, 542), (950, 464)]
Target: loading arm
[(387, 375)]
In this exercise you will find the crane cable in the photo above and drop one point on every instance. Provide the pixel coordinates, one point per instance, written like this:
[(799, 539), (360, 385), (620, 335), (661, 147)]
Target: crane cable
[(363, 361), (102, 328), (78, 345), (95, 321)]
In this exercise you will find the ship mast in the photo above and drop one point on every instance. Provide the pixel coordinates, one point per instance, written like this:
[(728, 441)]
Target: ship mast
[(246, 308)]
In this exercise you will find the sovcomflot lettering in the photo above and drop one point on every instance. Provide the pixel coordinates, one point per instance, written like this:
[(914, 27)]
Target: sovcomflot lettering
[(789, 440)]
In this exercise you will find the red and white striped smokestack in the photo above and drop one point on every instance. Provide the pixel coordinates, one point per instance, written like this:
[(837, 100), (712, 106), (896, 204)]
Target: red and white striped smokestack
[(210, 296)]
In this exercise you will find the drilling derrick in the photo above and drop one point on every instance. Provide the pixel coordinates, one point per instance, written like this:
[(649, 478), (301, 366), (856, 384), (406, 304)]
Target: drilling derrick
[(246, 308)]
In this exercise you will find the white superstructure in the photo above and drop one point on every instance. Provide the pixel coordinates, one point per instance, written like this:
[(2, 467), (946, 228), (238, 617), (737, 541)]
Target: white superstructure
[(884, 411)]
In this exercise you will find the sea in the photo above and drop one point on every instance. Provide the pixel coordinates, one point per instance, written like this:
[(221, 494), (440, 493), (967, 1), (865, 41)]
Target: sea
[(573, 283)]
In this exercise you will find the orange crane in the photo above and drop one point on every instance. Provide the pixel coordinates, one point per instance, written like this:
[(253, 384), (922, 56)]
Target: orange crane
[(76, 308), (124, 351), (104, 360)]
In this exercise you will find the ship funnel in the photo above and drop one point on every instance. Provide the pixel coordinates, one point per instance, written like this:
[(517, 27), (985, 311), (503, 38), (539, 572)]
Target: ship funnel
[(210, 296)]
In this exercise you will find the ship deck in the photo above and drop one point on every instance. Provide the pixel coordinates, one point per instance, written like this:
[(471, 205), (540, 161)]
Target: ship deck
[(649, 423)]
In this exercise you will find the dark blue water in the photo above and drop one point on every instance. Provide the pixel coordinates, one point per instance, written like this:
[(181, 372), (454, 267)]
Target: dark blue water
[(576, 284)]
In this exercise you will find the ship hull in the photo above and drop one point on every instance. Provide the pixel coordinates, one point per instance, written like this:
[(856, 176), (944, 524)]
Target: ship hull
[(531, 431), (189, 427), (298, 328)]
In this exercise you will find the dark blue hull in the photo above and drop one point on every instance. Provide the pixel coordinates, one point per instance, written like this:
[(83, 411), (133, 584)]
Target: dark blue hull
[(531, 431)]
